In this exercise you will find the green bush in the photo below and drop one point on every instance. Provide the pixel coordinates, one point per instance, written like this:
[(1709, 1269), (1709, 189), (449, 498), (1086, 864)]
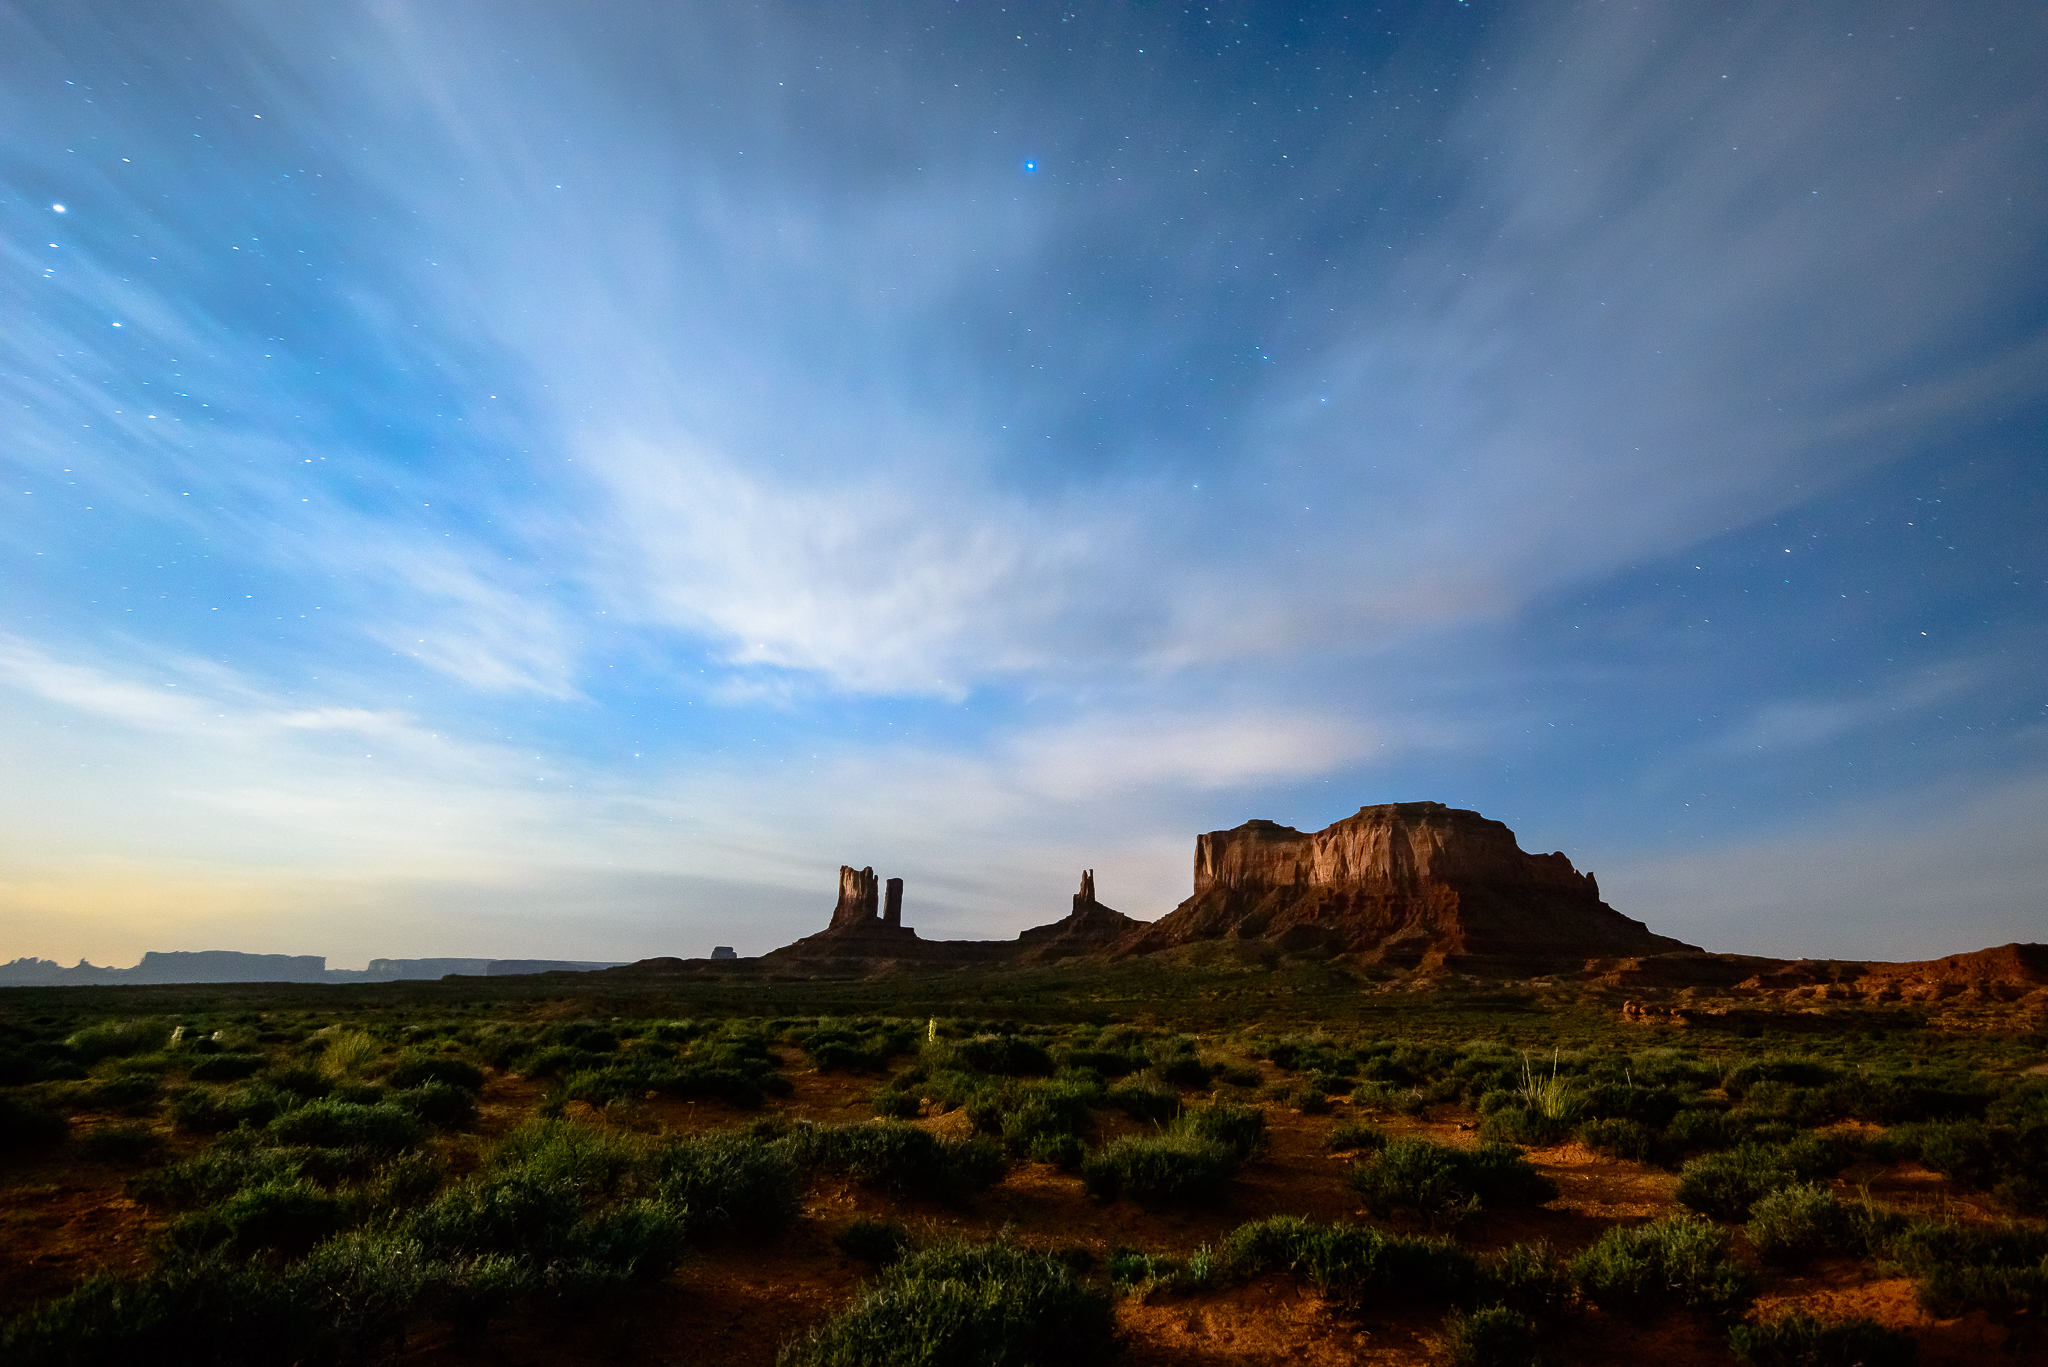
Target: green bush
[(226, 1067), (416, 1070), (1680, 1260), (730, 1183), (1352, 1264), (892, 1156), (344, 1124), (1184, 1071), (2001, 1271), (437, 1103), (1796, 1339), (1241, 1129), (25, 1125), (1159, 1169), (116, 1039), (1619, 1138), (1797, 1222), (1147, 1101), (1440, 1183), (966, 1306), (1348, 1135), (1725, 1185), (203, 1111), (129, 1092), (868, 1240), (194, 1312), (1493, 1337), (1010, 1055), (289, 1216)]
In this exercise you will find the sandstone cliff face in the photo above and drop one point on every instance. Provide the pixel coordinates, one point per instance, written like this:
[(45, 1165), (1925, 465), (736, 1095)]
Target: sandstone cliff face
[(1404, 882)]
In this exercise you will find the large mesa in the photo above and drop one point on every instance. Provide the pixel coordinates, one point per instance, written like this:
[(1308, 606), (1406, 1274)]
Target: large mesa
[(1402, 883)]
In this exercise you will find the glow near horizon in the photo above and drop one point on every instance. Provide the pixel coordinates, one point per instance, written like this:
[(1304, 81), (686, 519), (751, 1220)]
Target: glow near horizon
[(501, 484)]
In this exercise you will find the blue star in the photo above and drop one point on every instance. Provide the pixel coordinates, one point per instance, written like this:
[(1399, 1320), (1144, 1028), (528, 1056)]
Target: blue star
[(1030, 166)]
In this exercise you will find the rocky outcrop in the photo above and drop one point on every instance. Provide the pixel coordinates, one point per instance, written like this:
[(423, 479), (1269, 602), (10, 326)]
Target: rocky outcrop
[(1405, 883), (859, 928), (1089, 928)]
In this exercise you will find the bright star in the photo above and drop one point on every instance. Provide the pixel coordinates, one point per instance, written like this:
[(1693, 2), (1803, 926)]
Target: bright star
[(1031, 166), (57, 208)]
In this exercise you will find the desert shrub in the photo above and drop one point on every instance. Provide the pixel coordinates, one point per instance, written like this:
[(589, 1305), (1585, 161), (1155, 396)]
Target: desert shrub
[(563, 1060), (1352, 1264), (854, 1047), (1651, 1107), (1681, 1260), (1725, 1185), (892, 1156), (1526, 1277), (1959, 1269), (226, 1067), (1108, 1062), (1493, 1337), (219, 1170), (344, 1124), (1670, 1067), (1519, 1124), (1796, 1339), (867, 1240), (1438, 1182), (1800, 1072), (116, 1039), (120, 1144), (203, 1111), (130, 1092), (1697, 1128), (730, 1183), (586, 1158), (193, 1312), (349, 1052), (1619, 1137), (894, 1103), (965, 1306), (1241, 1129), (1149, 1101), (1239, 1075), (416, 1070), (1185, 1071), (1796, 1222), (437, 1103), (1034, 1114), (1158, 1169), (289, 1216), (2007, 1159), (1348, 1135), (409, 1179), (25, 1125)]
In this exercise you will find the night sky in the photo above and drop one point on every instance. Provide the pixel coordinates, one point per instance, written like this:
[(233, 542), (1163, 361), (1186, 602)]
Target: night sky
[(561, 478)]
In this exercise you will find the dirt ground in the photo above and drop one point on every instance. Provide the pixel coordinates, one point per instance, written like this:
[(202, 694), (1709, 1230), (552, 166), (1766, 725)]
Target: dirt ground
[(738, 1302)]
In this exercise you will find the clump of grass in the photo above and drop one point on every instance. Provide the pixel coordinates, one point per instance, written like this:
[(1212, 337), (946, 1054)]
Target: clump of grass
[(1148, 1101), (1347, 1136), (118, 1039), (437, 1103), (963, 1304), (1351, 1264), (289, 1216), (1725, 1185), (1191, 1161), (892, 1156), (349, 1053), (1797, 1222), (1493, 1337), (1441, 1184), (344, 1124), (731, 1183), (1619, 1137), (1680, 1260), (1797, 1339), (868, 1240), (417, 1069), (226, 1067)]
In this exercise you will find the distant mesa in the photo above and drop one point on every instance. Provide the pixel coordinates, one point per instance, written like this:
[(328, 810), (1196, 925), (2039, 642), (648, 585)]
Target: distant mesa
[(1404, 883), (724, 952), (233, 966)]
